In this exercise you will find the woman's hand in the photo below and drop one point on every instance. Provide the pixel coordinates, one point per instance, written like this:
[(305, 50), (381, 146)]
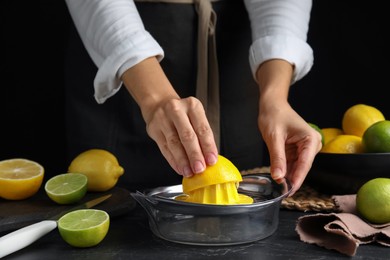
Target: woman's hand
[(292, 143), (178, 126), (183, 134)]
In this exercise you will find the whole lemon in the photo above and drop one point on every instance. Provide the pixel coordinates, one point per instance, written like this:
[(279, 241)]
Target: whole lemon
[(376, 139), (359, 117), (100, 166), (343, 144), (330, 133), (373, 200)]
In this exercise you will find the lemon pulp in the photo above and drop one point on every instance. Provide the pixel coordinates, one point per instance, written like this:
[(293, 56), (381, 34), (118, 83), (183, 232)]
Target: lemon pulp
[(20, 178)]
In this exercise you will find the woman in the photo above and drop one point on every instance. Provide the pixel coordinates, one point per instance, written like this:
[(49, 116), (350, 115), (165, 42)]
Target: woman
[(173, 86)]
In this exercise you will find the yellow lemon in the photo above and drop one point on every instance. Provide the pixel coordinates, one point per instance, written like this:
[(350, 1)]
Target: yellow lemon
[(358, 118), (216, 185), (20, 178), (330, 133), (344, 144), (372, 200), (376, 139), (100, 166)]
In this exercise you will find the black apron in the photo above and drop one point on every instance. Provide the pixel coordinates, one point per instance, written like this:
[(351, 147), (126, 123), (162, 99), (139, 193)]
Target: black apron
[(118, 126)]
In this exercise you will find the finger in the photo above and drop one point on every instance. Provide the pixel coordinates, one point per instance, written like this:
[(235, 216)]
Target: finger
[(205, 134), (176, 149), (163, 146), (188, 136), (277, 154), (305, 156), (163, 132)]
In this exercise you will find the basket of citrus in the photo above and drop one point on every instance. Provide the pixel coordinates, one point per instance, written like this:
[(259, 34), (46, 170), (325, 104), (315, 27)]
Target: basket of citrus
[(354, 152)]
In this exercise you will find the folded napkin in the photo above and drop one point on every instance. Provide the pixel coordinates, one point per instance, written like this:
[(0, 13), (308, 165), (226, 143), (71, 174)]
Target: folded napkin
[(343, 231)]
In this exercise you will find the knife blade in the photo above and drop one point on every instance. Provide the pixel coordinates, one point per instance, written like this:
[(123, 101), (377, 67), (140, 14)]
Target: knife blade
[(25, 236)]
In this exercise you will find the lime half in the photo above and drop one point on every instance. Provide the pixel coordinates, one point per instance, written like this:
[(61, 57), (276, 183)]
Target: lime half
[(84, 227), (67, 188)]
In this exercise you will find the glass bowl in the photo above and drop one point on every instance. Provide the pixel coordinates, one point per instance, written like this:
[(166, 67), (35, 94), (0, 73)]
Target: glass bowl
[(215, 225)]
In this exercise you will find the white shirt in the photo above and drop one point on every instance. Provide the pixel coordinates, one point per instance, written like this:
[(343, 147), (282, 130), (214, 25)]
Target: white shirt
[(115, 37)]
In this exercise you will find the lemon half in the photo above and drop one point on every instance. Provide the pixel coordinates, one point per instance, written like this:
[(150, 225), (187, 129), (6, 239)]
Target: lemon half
[(20, 178), (216, 185)]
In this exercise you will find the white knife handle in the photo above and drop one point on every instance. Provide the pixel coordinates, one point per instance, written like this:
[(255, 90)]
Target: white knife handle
[(23, 237)]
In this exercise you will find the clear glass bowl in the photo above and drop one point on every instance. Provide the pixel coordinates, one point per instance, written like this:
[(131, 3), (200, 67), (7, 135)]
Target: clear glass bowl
[(215, 225)]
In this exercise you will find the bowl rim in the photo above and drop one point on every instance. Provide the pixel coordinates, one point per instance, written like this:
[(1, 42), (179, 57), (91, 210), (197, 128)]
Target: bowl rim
[(353, 154), (163, 202)]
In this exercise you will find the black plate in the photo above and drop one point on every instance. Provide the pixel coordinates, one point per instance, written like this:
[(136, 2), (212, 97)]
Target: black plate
[(345, 173)]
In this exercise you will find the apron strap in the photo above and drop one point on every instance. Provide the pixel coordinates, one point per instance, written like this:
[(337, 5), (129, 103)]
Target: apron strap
[(207, 85), (207, 82)]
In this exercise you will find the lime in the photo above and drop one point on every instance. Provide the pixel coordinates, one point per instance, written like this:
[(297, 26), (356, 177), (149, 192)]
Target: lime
[(376, 139), (319, 130), (373, 200), (100, 166), (66, 188), (84, 227), (20, 178)]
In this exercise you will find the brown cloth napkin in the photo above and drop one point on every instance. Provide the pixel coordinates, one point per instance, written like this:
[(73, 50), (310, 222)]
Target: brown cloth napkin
[(343, 231)]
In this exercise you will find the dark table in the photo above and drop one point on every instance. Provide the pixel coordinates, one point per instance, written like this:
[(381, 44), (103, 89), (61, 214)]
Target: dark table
[(129, 237)]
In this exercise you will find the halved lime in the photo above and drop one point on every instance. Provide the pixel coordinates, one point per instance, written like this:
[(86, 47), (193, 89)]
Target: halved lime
[(84, 227), (67, 188)]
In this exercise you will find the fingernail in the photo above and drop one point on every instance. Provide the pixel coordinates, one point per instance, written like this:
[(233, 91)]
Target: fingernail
[(198, 167), (277, 174), (211, 159), (187, 172)]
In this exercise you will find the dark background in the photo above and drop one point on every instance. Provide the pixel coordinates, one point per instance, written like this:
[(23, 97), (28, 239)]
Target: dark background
[(350, 67)]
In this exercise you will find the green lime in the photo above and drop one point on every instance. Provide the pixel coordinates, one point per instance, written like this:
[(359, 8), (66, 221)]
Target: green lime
[(372, 200), (319, 130), (376, 139), (67, 188), (84, 227)]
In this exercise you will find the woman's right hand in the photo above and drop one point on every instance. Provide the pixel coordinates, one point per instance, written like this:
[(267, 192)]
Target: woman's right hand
[(179, 126), (183, 134)]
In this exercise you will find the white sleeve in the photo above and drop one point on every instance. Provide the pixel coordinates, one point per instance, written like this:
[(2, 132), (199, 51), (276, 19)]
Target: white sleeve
[(279, 31), (114, 36)]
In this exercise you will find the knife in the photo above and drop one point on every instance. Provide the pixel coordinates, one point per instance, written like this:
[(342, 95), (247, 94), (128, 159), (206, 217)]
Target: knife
[(25, 236)]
